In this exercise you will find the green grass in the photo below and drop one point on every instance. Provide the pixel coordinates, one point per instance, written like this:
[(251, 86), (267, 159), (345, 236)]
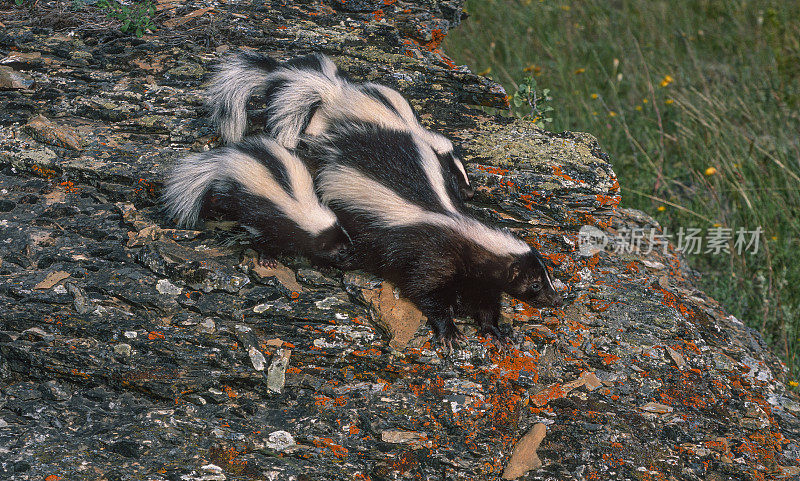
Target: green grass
[(671, 89)]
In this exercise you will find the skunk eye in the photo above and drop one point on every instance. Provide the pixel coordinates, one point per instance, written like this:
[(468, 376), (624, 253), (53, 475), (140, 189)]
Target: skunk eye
[(536, 286)]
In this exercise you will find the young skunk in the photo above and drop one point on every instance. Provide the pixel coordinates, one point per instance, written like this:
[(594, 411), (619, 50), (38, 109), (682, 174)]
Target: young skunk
[(306, 94), (405, 227), (267, 189)]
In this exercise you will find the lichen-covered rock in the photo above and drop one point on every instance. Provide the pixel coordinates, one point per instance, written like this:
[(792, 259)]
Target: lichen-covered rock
[(130, 349)]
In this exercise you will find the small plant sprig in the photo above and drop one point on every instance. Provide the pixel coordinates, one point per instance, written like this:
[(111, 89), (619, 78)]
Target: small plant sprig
[(527, 95), (136, 19)]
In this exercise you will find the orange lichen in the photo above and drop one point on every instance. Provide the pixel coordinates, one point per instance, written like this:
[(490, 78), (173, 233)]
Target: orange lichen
[(69, 186), (608, 358), (609, 200), (547, 394), (367, 353), (228, 459), (43, 171), (493, 170), (335, 449)]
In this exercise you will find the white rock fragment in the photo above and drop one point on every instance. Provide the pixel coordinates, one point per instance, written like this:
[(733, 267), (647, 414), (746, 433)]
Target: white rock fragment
[(657, 408), (653, 264), (328, 302), (164, 286), (123, 349), (207, 325), (261, 308), (211, 472), (257, 358), (321, 342), (280, 440), (276, 374), (398, 436)]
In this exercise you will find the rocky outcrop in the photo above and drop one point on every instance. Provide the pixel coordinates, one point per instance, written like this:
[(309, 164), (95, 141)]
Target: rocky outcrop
[(133, 350)]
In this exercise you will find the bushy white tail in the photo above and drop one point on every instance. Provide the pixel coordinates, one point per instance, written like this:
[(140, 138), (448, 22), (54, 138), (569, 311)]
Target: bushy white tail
[(244, 166), (300, 86), (188, 183)]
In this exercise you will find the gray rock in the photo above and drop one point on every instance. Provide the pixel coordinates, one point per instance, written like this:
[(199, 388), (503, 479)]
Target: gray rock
[(10, 79), (153, 354)]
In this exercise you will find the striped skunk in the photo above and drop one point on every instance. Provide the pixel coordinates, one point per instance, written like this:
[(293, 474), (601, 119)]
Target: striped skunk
[(305, 95), (264, 187), (406, 228)]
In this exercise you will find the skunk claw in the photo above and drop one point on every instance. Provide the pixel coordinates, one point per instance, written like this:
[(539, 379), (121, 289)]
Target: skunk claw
[(499, 339), (268, 262), (451, 338)]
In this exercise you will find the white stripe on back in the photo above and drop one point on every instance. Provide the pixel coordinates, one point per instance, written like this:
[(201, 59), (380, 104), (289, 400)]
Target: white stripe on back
[(349, 188)]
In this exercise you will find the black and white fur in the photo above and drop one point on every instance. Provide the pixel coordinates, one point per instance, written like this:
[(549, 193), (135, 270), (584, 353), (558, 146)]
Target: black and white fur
[(263, 186), (405, 228), (306, 95)]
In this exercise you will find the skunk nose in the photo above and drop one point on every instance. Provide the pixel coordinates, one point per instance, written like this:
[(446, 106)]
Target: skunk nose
[(468, 192)]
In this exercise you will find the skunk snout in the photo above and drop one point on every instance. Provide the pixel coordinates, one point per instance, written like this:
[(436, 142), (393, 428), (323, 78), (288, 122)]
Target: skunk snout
[(467, 193), (556, 300)]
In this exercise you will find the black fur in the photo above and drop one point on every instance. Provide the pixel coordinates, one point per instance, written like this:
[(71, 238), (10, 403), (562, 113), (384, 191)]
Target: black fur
[(254, 148), (377, 95), (448, 159), (392, 158), (465, 191), (258, 61)]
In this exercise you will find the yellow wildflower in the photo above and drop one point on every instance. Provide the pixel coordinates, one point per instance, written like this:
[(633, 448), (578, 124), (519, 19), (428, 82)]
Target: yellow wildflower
[(594, 96), (661, 208), (644, 101), (638, 107), (667, 80), (580, 71), (612, 114), (485, 72), (711, 171), (793, 383), (668, 101)]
